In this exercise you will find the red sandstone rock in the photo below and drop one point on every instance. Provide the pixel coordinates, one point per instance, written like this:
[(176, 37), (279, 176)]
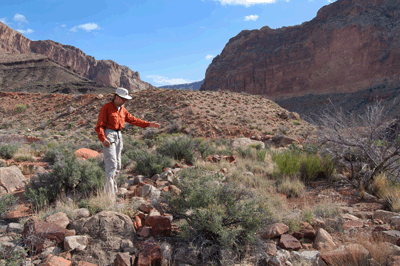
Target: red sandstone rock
[(39, 235), (289, 242), (150, 253), (56, 261), (85, 153)]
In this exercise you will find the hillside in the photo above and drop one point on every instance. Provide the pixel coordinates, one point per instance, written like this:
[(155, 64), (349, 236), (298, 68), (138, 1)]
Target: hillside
[(104, 72), (351, 45), (37, 73), (200, 114)]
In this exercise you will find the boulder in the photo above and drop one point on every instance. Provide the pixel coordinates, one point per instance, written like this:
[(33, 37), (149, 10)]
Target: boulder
[(38, 235), (149, 192), (150, 253), (107, 230), (81, 213), (323, 240), (123, 259), (352, 254), (78, 243), (309, 256), (245, 142), (85, 153), (15, 227), (384, 215), (59, 218), (289, 242), (274, 230), (11, 178), (56, 261)]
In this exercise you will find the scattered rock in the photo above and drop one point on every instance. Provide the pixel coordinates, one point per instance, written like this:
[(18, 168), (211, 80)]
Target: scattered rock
[(123, 259), (289, 242), (56, 261), (323, 240), (149, 192), (81, 213), (38, 235), (245, 142), (78, 243), (384, 215), (274, 230), (85, 153), (150, 253), (15, 228), (11, 178)]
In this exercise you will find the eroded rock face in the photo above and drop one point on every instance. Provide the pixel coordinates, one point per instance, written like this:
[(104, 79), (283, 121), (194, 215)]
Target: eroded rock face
[(350, 45), (105, 72)]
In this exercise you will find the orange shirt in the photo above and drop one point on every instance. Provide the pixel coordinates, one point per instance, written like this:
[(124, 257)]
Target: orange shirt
[(110, 117)]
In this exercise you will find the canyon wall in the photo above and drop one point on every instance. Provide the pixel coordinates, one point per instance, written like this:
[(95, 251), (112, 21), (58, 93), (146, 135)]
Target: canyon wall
[(349, 46)]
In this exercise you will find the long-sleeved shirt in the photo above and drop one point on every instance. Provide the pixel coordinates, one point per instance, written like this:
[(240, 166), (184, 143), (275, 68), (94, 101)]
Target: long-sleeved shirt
[(112, 118)]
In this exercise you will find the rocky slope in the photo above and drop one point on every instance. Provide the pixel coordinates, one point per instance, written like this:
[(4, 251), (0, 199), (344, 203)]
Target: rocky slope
[(105, 72), (349, 46)]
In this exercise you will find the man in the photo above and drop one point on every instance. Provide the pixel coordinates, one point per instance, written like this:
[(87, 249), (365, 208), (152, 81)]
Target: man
[(112, 118)]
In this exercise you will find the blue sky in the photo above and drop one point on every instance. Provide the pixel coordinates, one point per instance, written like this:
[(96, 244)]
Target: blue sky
[(166, 41)]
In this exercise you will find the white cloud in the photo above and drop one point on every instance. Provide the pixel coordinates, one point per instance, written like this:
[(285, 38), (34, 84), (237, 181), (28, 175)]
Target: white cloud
[(246, 2), (209, 56), (20, 18), (87, 27), (164, 80), (63, 25), (26, 31), (331, 1), (251, 17), (3, 20)]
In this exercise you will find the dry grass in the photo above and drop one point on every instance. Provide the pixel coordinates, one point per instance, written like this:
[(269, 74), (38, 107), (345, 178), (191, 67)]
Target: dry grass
[(388, 191), (290, 186), (23, 154)]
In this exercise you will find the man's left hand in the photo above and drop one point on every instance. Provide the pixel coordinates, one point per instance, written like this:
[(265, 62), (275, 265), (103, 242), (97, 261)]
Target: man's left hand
[(154, 124)]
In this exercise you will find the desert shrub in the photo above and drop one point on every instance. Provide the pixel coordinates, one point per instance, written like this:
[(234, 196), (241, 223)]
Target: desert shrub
[(132, 145), (309, 166), (288, 162), (218, 216), (7, 202), (7, 124), (387, 190), (261, 154), (365, 144), (13, 256), (68, 175), (7, 151), (20, 108), (150, 164), (54, 151), (245, 152), (205, 148), (179, 148)]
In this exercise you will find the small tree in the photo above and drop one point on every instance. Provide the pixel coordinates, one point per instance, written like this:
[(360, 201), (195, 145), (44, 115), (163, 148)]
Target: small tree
[(365, 144)]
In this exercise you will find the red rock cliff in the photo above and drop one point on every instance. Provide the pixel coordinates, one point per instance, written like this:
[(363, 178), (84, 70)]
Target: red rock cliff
[(106, 72), (350, 45)]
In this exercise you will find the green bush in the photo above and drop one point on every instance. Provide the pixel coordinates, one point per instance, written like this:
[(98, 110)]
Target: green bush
[(7, 151), (20, 108), (7, 202), (288, 162), (310, 167), (260, 155), (149, 164), (68, 175), (245, 152), (205, 148), (179, 148), (222, 216)]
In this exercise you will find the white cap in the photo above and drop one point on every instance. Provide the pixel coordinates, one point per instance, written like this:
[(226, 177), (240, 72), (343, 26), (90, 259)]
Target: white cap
[(123, 93)]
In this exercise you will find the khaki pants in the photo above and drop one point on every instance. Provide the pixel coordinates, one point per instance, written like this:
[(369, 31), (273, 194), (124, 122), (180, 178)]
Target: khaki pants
[(112, 161)]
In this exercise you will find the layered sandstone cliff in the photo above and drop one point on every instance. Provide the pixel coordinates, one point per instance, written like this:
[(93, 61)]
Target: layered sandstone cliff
[(105, 72), (349, 46)]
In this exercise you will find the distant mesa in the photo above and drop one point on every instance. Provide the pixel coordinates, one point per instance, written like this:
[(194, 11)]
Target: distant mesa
[(350, 46), (187, 86), (72, 66)]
